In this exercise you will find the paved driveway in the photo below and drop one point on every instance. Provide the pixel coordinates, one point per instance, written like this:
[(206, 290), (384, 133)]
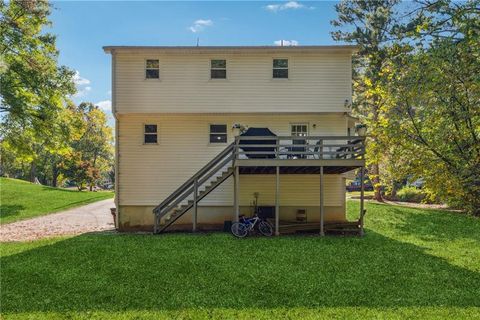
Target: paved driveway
[(92, 217)]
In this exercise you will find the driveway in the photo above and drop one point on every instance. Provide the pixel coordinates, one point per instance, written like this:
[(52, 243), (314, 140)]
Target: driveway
[(92, 217)]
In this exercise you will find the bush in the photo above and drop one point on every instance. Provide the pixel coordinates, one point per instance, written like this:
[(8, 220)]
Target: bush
[(411, 194)]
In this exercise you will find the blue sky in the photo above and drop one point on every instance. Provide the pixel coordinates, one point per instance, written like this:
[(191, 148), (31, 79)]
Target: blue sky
[(82, 28)]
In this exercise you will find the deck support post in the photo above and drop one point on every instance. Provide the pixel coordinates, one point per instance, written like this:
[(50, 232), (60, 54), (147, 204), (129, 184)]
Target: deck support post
[(236, 189), (362, 196), (195, 207), (322, 209), (277, 202)]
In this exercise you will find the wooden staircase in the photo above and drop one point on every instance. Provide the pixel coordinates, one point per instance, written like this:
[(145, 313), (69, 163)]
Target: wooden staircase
[(189, 194)]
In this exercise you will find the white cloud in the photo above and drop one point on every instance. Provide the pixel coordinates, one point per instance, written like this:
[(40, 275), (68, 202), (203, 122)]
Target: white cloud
[(82, 91), (105, 105), (82, 85), (200, 25), (290, 5), (286, 43), (80, 81)]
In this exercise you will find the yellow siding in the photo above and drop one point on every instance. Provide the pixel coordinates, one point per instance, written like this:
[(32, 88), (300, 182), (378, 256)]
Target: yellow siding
[(318, 82), (295, 190), (149, 173)]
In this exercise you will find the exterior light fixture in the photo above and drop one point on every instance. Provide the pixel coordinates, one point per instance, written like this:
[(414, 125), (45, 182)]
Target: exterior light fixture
[(361, 130)]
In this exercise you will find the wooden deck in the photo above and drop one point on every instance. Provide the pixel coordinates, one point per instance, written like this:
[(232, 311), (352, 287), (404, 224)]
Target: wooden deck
[(270, 155), (295, 169)]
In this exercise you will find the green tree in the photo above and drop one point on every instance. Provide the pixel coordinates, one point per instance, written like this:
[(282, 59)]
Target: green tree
[(368, 24), (33, 88), (81, 172), (434, 109), (94, 144)]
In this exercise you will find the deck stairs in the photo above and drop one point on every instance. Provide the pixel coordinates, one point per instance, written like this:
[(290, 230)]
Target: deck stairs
[(194, 189)]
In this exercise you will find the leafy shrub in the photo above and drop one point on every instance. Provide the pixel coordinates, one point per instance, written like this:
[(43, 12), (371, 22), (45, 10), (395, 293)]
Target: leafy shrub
[(411, 194)]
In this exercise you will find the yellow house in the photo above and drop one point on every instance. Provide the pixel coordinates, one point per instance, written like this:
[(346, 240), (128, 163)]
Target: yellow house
[(205, 134)]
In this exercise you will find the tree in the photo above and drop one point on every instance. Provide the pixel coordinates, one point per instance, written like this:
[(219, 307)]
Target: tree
[(80, 171), (434, 108), (93, 148), (368, 24), (33, 88)]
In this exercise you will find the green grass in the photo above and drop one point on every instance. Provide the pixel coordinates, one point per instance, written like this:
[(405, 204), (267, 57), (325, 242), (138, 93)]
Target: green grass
[(412, 263), (356, 194), (21, 200)]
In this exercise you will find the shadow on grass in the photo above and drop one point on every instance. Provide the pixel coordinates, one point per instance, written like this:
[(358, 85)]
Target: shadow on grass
[(172, 272), (7, 210), (432, 224)]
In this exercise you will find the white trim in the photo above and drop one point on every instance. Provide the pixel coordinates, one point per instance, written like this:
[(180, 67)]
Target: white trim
[(282, 68), (300, 124), (211, 68), (150, 134), (210, 133), (145, 69)]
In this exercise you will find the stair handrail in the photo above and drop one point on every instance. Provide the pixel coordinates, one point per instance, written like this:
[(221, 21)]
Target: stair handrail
[(197, 175)]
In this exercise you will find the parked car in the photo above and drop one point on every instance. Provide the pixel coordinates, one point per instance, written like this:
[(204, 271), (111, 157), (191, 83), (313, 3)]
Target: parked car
[(356, 186)]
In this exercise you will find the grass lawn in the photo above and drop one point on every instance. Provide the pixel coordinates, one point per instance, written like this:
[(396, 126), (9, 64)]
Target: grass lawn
[(411, 263), (356, 194), (22, 200)]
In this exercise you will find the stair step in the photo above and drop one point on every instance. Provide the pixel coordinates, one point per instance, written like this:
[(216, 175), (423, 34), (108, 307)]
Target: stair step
[(175, 213)]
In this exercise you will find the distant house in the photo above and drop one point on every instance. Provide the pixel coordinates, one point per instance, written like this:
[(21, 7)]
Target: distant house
[(202, 131)]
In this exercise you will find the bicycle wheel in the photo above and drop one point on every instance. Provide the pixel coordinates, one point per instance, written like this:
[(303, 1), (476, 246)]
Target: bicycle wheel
[(265, 228), (239, 230)]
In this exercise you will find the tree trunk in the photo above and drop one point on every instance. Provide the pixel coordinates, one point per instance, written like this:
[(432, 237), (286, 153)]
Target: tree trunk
[(54, 175), (394, 190), (33, 172), (375, 177)]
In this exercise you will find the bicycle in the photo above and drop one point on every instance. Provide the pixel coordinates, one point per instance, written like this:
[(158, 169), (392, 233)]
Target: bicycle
[(241, 228)]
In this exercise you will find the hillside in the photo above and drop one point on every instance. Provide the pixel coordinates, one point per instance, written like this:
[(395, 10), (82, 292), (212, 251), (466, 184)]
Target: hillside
[(21, 200)]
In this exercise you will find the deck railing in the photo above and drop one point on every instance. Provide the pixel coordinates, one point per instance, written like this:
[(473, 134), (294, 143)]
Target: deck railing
[(294, 147)]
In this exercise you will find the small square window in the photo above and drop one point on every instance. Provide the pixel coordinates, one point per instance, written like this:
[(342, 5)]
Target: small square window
[(299, 130), (280, 68), (150, 134), (152, 69), (218, 133), (218, 69)]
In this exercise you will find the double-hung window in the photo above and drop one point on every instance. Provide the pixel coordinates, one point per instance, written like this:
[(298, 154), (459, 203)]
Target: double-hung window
[(150, 134), (280, 68), (152, 69), (218, 133), (218, 69)]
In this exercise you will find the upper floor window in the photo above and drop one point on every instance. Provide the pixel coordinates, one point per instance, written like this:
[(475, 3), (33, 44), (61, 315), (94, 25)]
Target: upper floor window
[(152, 69), (218, 69), (218, 133), (280, 68), (150, 134)]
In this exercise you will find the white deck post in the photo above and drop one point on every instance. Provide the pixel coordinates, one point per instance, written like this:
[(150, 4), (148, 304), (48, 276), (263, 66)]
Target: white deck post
[(362, 191), (277, 202), (195, 196), (322, 209), (236, 189)]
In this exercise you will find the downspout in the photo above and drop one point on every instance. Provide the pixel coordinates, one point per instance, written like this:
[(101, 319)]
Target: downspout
[(117, 144)]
